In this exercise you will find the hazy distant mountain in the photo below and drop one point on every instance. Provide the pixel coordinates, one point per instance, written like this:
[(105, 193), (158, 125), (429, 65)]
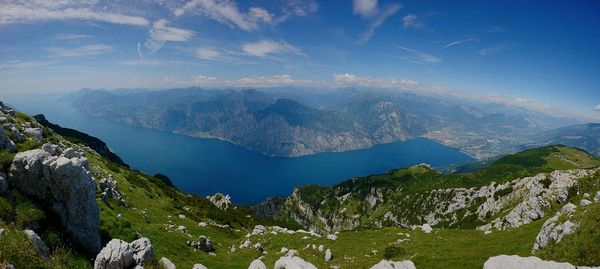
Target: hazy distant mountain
[(584, 136), (294, 122)]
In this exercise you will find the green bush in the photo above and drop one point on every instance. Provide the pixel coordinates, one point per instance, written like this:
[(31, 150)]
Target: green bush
[(393, 251), (503, 192), (6, 159), (7, 211)]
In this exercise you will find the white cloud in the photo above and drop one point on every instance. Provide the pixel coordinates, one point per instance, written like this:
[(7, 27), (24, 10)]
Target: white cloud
[(206, 53), (227, 12), (456, 43), (348, 79), (300, 7), (160, 33), (497, 49), (18, 64), (32, 11), (266, 47), (66, 36), (244, 82), (87, 50), (412, 20), (379, 19), (365, 8), (416, 56), (597, 108)]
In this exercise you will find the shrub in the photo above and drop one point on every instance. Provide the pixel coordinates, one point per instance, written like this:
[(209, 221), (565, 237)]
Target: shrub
[(6, 210), (393, 251)]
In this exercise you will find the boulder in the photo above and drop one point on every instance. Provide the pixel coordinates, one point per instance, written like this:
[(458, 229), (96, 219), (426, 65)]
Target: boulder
[(110, 190), (505, 261), (258, 230), (331, 236), (597, 197), (257, 264), (328, 255), (35, 133), (585, 202), (6, 143), (62, 182), (426, 228), (37, 242), (384, 264), (166, 263), (199, 266), (117, 254), (204, 243), (288, 262), (16, 134), (142, 250)]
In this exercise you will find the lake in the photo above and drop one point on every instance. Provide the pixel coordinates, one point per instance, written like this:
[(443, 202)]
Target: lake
[(207, 166)]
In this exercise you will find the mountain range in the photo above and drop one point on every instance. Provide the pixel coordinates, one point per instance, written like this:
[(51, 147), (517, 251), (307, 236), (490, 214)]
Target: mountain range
[(295, 122)]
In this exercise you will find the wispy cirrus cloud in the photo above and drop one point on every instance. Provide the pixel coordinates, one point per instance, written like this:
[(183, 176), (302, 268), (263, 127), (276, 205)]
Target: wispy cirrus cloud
[(244, 82), (160, 33), (597, 107), (227, 12), (268, 47), (459, 42), (416, 56), (70, 36), (87, 50), (12, 12), (18, 64), (378, 20), (365, 8)]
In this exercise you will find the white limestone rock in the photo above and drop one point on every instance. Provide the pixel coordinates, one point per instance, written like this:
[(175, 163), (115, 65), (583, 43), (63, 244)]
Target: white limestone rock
[(328, 255), (385, 264), (257, 264), (166, 263), (288, 262), (63, 182), (510, 262)]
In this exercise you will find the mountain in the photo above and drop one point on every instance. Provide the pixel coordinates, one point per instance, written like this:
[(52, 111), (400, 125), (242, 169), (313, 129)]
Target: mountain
[(293, 122), (64, 205), (584, 136)]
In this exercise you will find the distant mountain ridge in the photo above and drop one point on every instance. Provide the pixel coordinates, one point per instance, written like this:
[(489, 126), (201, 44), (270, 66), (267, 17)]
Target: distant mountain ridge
[(295, 123), (583, 136)]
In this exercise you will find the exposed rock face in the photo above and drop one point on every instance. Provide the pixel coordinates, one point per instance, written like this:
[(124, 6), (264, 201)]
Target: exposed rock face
[(37, 242), (220, 200), (392, 207), (505, 261), (142, 250), (166, 263), (384, 264), (258, 230), (257, 264), (62, 181), (553, 231), (269, 208), (288, 262), (110, 190)]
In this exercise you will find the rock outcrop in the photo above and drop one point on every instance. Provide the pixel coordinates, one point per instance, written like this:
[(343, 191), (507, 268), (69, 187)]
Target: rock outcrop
[(61, 180), (505, 261), (3, 184), (6, 143), (385, 264), (118, 254), (220, 200), (110, 190), (553, 230)]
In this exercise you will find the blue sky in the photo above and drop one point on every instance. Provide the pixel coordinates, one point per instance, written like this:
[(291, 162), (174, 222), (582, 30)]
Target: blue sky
[(541, 54)]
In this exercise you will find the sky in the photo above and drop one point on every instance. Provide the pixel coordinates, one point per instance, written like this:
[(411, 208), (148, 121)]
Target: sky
[(541, 54)]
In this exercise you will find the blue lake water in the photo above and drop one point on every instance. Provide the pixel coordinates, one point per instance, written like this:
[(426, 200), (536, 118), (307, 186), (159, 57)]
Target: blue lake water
[(206, 166)]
